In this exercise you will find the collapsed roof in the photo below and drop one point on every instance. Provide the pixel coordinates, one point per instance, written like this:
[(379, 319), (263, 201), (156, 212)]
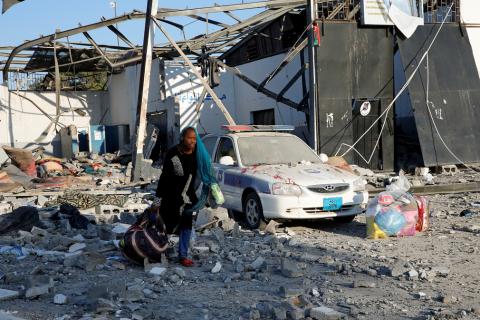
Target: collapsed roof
[(38, 54)]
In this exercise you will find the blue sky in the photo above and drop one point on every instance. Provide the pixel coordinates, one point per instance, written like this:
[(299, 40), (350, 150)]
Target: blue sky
[(32, 18)]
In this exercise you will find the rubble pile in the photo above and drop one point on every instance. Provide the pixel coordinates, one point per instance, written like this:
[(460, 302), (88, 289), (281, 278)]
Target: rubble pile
[(59, 256), (27, 171), (53, 270)]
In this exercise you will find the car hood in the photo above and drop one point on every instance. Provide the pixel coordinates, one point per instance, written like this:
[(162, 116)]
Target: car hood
[(303, 175)]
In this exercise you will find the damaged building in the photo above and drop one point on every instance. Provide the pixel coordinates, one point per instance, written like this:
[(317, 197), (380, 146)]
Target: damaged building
[(259, 69)]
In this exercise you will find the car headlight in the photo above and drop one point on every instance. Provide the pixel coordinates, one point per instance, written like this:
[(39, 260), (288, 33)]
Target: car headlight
[(359, 184), (286, 189)]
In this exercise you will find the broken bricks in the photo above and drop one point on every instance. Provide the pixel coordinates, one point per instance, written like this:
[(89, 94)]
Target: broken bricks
[(38, 285)]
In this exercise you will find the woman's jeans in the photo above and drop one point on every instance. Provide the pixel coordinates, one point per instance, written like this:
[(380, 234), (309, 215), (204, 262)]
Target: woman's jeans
[(184, 242)]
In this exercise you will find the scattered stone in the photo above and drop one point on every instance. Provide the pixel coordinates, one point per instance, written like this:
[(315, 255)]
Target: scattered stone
[(8, 294), (296, 314), (219, 235), (271, 227), (254, 314), (325, 313), (290, 232), (236, 230), (75, 259), (105, 306), (217, 268), (447, 299), (78, 237), (372, 272), (201, 250), (226, 224), (413, 274), (38, 286), (258, 263), (120, 228), (290, 269), (440, 271), (157, 271), (239, 266), (279, 313), (397, 270), (287, 292), (41, 200), (180, 272), (37, 232), (76, 247), (60, 299), (421, 295), (8, 316)]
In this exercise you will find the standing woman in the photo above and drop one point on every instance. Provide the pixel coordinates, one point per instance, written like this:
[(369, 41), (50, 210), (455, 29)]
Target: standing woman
[(176, 187)]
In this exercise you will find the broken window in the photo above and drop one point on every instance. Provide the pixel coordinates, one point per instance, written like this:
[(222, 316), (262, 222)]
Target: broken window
[(266, 117), (225, 148)]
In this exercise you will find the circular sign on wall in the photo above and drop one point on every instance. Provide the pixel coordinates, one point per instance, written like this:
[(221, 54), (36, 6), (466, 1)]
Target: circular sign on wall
[(365, 108)]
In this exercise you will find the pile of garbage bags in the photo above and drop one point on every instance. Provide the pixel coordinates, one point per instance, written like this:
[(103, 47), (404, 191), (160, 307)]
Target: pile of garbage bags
[(396, 212)]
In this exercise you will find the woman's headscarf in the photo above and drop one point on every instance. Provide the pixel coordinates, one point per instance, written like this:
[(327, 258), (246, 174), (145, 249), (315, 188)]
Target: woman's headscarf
[(204, 169)]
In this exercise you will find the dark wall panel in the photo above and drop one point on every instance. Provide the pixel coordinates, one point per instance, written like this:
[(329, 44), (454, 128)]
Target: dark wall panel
[(454, 93), (353, 64)]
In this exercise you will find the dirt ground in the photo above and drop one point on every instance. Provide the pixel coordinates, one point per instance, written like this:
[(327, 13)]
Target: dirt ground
[(433, 275)]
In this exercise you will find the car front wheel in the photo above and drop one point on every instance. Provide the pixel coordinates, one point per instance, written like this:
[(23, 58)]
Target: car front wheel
[(253, 211)]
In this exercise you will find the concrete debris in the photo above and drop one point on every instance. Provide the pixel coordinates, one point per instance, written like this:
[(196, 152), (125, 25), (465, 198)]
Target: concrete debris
[(60, 299), (299, 271), (325, 313), (288, 292), (8, 316), (271, 227), (157, 271), (412, 274), (8, 294), (257, 264), (217, 268), (290, 269), (77, 247), (38, 286)]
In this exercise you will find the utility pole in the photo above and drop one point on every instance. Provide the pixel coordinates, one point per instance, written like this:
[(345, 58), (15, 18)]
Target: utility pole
[(113, 4), (143, 89), (314, 125)]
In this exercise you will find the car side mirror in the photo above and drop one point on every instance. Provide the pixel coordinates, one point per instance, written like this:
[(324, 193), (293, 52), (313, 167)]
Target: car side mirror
[(227, 161)]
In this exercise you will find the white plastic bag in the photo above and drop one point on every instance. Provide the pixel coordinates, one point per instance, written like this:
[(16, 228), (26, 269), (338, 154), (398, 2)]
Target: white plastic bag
[(401, 186)]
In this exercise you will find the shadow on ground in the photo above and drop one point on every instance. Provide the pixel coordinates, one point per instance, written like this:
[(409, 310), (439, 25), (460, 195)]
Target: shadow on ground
[(352, 229)]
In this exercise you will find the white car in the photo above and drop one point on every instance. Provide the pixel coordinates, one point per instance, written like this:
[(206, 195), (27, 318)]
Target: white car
[(272, 175)]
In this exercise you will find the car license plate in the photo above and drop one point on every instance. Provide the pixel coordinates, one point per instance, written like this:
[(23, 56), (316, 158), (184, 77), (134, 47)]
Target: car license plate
[(332, 204)]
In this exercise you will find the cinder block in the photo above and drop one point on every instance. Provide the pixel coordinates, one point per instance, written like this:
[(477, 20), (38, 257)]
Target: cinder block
[(5, 208), (448, 169)]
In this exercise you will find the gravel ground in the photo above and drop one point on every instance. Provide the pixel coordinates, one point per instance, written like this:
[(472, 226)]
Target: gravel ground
[(305, 265)]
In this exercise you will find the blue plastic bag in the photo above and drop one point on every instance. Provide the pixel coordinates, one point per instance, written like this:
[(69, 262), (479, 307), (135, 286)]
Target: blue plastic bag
[(390, 221)]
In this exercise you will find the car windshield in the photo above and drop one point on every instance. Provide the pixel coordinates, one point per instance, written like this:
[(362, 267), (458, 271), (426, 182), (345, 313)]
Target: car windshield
[(258, 150)]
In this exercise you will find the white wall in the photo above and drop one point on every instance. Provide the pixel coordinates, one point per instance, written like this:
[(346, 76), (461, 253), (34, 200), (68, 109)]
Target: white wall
[(123, 95), (248, 99), (21, 123), (239, 98), (470, 12), (183, 91), (184, 86)]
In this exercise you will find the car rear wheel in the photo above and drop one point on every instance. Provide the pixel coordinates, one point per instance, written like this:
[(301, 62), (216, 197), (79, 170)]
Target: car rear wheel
[(344, 219), (253, 211)]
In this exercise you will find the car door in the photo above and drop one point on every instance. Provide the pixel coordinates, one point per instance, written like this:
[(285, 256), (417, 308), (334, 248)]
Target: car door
[(226, 174)]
